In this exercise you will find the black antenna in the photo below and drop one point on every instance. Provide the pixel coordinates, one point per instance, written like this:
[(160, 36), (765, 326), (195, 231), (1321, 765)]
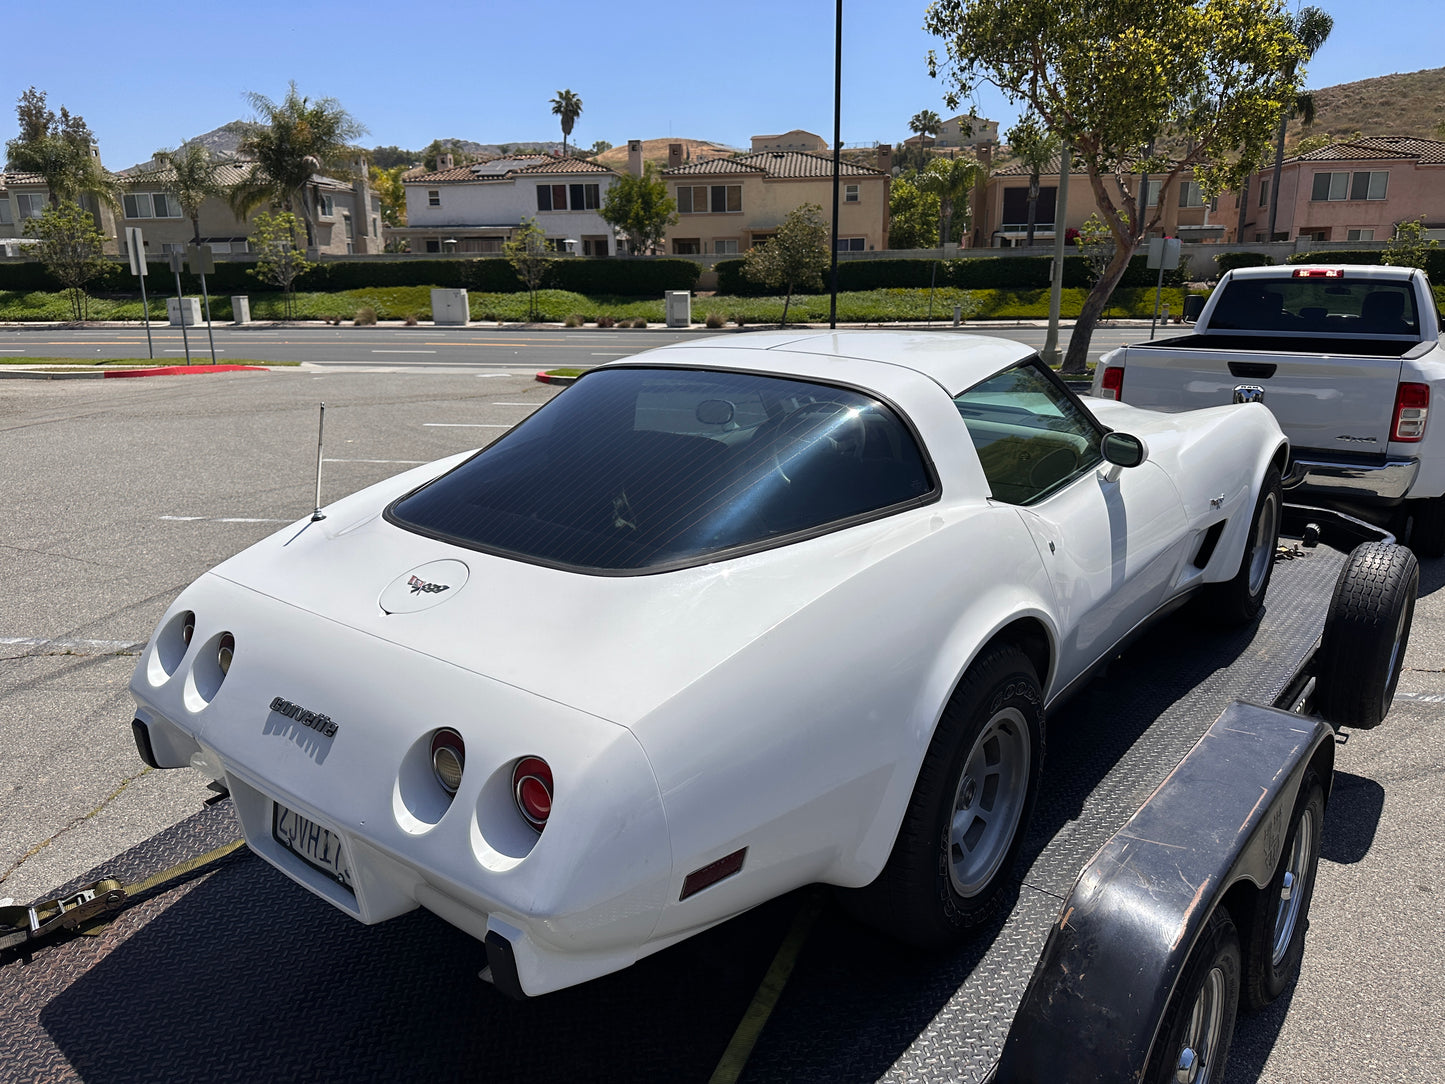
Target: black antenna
[(320, 434)]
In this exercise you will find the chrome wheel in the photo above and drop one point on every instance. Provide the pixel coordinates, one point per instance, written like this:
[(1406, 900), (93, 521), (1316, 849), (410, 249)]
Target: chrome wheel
[(1292, 887), (1195, 1064), (988, 802), (1266, 535)]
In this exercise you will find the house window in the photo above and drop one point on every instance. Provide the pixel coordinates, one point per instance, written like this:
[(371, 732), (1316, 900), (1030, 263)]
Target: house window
[(585, 197), (686, 246), (29, 205), (326, 206), (168, 247), (850, 244), (1370, 184), (1359, 235), (433, 244), (238, 248), (1315, 235), (433, 198), (1331, 186), (850, 193), (1151, 195), (710, 199), (151, 205), (553, 197), (5, 219), (1190, 195), (728, 247), (594, 246), (1263, 193)]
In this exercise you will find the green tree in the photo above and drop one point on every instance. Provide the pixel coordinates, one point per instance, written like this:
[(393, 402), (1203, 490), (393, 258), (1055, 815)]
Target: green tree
[(912, 215), (1409, 246), (280, 259), (1035, 147), (950, 179), (61, 148), (1311, 26), (430, 157), (289, 144), (386, 183), (925, 123), (601, 145), (392, 156), (795, 257), (568, 107), (527, 252), (640, 209), (72, 250), (1213, 75), (194, 179)]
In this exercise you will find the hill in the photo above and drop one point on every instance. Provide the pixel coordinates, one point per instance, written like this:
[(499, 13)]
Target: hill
[(655, 151), (1403, 104)]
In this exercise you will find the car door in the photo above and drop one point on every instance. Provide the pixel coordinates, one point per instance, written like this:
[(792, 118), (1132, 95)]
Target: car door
[(1111, 539)]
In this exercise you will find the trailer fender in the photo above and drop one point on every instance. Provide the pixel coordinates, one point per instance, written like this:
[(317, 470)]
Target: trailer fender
[(1112, 960)]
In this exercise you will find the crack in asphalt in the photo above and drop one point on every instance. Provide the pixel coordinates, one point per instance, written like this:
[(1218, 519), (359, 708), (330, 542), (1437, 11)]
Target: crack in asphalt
[(74, 823)]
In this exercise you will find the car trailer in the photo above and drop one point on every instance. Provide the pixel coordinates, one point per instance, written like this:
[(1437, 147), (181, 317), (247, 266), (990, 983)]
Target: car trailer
[(1167, 877)]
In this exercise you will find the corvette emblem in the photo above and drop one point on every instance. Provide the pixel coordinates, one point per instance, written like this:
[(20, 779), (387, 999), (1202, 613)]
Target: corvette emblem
[(424, 586), (420, 586), (322, 724)]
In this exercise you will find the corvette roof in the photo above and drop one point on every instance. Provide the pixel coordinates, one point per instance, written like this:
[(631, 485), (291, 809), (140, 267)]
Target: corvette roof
[(954, 360)]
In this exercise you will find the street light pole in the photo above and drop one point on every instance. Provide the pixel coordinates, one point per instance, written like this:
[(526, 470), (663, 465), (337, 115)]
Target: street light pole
[(837, 156)]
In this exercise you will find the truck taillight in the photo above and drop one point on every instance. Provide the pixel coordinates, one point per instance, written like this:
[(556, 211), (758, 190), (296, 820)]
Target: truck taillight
[(1412, 404), (1114, 381)]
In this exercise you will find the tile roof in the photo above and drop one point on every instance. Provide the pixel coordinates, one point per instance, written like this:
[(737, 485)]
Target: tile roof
[(1426, 151), (502, 168), (777, 164), (7, 179)]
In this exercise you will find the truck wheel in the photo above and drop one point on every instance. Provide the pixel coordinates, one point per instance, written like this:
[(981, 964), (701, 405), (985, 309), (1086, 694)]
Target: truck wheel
[(1427, 529), (1198, 1025), (1239, 600), (951, 863), (1277, 926), (1366, 631)]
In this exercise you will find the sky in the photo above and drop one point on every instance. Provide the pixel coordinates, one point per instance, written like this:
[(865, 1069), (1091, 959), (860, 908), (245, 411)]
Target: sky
[(153, 77)]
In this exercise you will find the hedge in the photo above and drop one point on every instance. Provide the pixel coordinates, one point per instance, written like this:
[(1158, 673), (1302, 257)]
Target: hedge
[(1434, 259), (1231, 261)]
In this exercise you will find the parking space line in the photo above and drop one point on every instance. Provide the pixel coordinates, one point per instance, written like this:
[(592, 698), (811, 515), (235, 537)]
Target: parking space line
[(74, 647), (220, 519), (398, 462), (465, 425), (517, 404)]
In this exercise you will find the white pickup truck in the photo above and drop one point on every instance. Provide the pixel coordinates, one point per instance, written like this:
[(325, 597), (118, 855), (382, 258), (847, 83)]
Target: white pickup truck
[(1349, 358)]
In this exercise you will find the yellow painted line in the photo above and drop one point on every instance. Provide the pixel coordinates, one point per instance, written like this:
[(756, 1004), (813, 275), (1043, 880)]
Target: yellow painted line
[(750, 1028)]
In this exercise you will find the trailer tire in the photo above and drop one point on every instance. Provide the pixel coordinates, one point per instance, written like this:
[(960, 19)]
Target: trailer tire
[(1198, 1026), (1427, 526), (951, 865), (1281, 909), (1366, 632), (1238, 601)]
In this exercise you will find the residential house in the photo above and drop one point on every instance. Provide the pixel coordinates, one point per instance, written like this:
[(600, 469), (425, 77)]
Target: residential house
[(796, 140), (24, 196), (346, 213), (1350, 190), (476, 208), (727, 205), (965, 130), (1000, 206)]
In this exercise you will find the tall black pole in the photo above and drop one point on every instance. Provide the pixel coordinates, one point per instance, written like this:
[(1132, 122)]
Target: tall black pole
[(837, 156)]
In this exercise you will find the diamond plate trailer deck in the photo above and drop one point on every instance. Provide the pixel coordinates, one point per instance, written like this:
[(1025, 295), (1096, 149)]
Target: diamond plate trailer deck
[(240, 974)]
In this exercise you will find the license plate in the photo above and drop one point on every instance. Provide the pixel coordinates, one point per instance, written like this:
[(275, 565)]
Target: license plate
[(313, 844)]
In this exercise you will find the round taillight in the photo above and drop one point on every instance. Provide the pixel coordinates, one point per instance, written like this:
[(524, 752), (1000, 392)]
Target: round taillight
[(532, 787), (225, 651), (448, 758), (188, 628)]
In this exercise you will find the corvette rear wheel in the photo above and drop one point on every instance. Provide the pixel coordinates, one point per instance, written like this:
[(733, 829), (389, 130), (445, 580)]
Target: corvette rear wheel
[(1238, 601), (951, 866)]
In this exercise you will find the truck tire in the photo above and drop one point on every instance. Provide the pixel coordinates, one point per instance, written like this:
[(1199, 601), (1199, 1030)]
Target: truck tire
[(1366, 632), (1238, 601), (1281, 909), (1427, 527), (1198, 1026), (952, 863)]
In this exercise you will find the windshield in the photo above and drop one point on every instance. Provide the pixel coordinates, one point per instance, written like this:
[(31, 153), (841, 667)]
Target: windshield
[(1317, 306), (640, 469)]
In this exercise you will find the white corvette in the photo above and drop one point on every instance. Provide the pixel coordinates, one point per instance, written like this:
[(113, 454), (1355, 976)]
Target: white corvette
[(723, 619)]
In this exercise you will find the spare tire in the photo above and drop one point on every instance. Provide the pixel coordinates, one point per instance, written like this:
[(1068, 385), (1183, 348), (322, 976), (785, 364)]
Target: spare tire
[(1366, 631)]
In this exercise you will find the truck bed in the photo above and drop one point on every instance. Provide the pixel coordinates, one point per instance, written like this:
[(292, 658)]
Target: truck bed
[(1263, 342)]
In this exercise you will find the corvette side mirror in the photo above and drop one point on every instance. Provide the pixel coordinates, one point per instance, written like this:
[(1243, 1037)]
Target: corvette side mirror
[(1123, 450)]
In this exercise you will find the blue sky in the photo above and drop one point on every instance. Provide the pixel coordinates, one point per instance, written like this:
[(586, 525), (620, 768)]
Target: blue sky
[(151, 76)]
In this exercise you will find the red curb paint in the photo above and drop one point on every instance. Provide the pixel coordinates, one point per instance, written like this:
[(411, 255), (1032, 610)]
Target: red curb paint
[(548, 378), (182, 370)]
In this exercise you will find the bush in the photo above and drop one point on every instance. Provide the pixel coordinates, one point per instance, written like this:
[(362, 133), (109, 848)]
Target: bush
[(1230, 261), (573, 321), (411, 320), (365, 316), (1434, 260), (606, 321), (714, 320), (621, 277)]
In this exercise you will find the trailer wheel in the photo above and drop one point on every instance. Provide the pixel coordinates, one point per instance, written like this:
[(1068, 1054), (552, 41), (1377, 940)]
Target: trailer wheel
[(951, 863), (1281, 910), (1198, 1026), (1366, 632), (1427, 526), (1238, 601)]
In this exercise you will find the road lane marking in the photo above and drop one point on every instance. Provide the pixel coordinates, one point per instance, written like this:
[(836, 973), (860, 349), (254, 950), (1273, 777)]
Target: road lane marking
[(198, 350), (221, 519), (398, 462), (74, 647), (517, 404), (464, 425), (403, 351), (7, 350), (610, 354)]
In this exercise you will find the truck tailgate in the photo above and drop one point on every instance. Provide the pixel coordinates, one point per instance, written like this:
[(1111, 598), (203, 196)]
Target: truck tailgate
[(1338, 403)]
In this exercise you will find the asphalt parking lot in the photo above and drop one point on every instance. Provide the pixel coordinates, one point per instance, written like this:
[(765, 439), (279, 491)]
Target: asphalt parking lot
[(116, 494)]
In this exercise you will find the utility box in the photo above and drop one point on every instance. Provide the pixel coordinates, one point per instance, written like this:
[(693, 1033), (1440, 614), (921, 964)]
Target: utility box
[(449, 307), (240, 309), (187, 309), (679, 308)]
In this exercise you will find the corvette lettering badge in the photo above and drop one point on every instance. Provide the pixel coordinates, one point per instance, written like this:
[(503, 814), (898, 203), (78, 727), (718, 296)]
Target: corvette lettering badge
[(322, 724), (419, 586)]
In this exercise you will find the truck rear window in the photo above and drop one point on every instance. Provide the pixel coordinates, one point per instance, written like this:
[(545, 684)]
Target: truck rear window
[(1317, 307)]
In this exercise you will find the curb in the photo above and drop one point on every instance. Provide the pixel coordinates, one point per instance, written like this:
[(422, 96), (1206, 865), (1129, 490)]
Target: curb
[(97, 374), (548, 378)]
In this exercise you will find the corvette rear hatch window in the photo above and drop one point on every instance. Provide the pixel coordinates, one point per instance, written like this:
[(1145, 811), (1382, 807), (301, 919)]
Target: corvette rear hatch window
[(645, 469)]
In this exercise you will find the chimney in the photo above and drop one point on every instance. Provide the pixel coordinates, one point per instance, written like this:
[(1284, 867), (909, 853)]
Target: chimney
[(885, 157), (674, 155), (634, 157), (445, 161)]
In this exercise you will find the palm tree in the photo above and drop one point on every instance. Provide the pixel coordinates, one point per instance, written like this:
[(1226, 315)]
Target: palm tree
[(1037, 149), (569, 107), (950, 179), (288, 145), (925, 123), (62, 150), (195, 179), (1311, 26)]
